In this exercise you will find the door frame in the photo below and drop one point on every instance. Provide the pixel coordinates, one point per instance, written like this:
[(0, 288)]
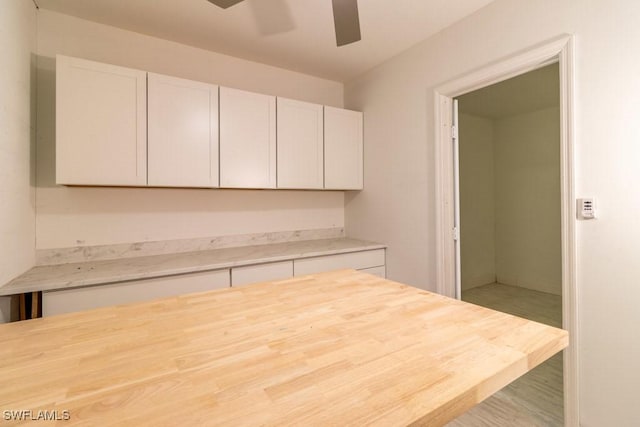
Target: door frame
[(559, 50)]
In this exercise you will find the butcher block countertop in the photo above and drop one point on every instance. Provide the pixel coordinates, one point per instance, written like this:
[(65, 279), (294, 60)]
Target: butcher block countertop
[(338, 348), (89, 273)]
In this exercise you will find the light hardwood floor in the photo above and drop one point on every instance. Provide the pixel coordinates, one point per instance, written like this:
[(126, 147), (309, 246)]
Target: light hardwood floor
[(535, 399)]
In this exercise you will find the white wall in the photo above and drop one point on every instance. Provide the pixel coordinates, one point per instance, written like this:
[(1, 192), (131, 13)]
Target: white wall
[(528, 251), (17, 139), (397, 205), (477, 201), (94, 216), (510, 200)]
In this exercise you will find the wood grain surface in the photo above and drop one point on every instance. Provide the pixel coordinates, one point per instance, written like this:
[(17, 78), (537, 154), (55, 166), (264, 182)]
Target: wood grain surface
[(338, 348)]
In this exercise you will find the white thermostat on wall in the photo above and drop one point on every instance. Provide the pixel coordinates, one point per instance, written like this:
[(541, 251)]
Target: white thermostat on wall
[(586, 208)]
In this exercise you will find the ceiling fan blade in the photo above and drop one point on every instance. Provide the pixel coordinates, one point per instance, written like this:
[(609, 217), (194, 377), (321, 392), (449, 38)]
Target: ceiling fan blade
[(346, 20), (225, 3)]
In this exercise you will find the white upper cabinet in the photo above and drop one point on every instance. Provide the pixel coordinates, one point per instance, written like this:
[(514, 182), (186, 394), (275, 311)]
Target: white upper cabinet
[(101, 124), (342, 149), (183, 132), (117, 126), (300, 144), (247, 139)]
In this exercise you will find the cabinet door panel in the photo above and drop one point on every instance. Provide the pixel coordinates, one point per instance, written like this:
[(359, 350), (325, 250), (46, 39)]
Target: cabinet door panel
[(261, 273), (300, 144), (101, 127), (78, 299), (356, 260), (183, 132), (342, 149), (247, 139)]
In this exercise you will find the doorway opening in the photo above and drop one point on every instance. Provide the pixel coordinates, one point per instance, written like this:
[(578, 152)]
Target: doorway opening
[(551, 57), (510, 256)]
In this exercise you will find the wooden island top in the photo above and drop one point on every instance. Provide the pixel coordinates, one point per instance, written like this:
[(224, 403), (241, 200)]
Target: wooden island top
[(339, 348)]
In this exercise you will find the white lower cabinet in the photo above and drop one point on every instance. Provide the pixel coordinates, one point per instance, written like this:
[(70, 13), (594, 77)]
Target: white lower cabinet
[(356, 260), (376, 271), (78, 299), (261, 273), (96, 296)]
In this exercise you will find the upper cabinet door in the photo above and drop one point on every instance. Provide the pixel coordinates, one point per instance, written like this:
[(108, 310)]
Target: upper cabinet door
[(183, 132), (101, 124), (300, 145), (342, 149), (247, 139)]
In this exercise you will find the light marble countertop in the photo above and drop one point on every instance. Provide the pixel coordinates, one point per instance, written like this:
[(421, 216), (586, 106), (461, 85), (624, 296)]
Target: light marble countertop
[(77, 274)]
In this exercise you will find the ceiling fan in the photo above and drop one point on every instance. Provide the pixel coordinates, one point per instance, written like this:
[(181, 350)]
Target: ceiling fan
[(345, 18)]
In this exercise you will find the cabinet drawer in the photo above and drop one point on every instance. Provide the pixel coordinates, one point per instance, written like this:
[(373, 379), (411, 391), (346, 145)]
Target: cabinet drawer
[(261, 273), (376, 271), (70, 300), (356, 260)]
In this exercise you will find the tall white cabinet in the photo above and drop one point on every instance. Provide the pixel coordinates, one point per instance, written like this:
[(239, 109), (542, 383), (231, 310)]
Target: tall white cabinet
[(300, 137), (101, 124), (182, 132), (247, 139), (343, 147)]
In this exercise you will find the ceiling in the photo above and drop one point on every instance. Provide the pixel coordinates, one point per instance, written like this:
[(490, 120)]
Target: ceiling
[(292, 34), (522, 94)]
